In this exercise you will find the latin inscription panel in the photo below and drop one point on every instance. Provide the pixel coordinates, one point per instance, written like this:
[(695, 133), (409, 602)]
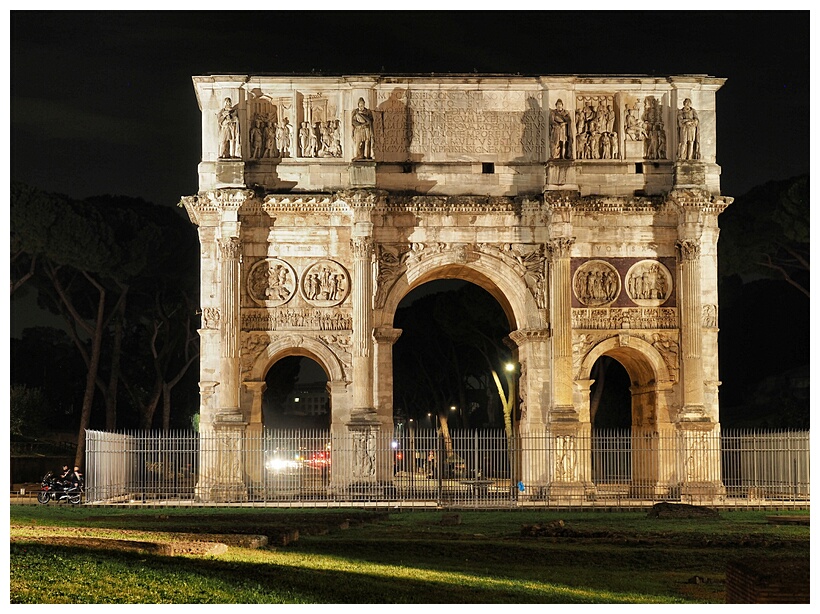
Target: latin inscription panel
[(428, 125)]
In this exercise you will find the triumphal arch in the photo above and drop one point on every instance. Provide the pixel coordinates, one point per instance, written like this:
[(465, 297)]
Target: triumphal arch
[(586, 205)]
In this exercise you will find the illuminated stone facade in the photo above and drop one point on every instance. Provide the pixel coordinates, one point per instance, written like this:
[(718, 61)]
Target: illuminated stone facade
[(587, 206)]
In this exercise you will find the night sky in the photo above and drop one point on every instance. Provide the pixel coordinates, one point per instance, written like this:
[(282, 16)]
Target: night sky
[(102, 102)]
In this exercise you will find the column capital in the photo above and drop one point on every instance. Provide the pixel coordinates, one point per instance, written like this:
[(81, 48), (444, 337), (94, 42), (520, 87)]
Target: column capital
[(362, 246), (387, 334), (526, 335), (230, 248), (688, 249), (560, 247)]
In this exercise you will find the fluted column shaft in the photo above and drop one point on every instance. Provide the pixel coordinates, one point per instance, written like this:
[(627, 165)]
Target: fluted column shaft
[(362, 323), (690, 323), (229, 251), (561, 324)]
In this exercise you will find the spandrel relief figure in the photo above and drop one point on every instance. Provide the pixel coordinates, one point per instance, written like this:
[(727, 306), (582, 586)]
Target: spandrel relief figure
[(362, 120), (596, 283), (228, 119), (560, 134), (688, 132)]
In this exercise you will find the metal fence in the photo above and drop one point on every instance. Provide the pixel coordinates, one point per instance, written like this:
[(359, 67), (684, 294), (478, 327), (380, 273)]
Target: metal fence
[(416, 468)]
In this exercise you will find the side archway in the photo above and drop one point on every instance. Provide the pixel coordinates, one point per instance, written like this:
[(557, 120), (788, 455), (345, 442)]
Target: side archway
[(641, 461), (647, 371), (307, 347)]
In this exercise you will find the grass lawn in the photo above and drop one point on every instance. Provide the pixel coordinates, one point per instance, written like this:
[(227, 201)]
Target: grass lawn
[(62, 554)]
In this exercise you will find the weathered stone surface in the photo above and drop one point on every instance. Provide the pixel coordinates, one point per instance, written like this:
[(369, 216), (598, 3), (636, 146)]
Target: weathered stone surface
[(587, 206)]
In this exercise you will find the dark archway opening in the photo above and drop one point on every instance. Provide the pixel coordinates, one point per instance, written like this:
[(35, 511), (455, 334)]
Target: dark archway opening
[(297, 395), (610, 411), (610, 400), (452, 343), (452, 339)]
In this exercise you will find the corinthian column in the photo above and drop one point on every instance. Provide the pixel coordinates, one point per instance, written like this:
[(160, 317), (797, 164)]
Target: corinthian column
[(561, 324), (690, 324), (229, 254), (362, 325)]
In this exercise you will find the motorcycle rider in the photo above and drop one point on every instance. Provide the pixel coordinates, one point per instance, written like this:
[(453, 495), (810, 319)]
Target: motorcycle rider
[(76, 477), (64, 477)]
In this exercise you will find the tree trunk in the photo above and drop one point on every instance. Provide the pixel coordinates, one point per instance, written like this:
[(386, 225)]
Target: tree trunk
[(116, 354), (91, 379)]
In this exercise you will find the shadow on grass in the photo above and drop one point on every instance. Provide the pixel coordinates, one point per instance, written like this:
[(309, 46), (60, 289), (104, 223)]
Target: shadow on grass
[(110, 577)]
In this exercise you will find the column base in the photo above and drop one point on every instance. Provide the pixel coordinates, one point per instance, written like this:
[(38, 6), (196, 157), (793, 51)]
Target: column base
[(221, 492)]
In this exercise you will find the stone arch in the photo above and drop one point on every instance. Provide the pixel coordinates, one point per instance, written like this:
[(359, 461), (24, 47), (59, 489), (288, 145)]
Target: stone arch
[(651, 452), (492, 274), (647, 370), (307, 347)]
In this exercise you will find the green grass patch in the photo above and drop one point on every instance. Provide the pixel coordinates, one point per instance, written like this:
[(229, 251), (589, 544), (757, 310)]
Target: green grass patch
[(355, 556)]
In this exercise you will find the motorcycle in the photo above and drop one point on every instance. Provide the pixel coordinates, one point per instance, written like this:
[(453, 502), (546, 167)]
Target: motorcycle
[(53, 489)]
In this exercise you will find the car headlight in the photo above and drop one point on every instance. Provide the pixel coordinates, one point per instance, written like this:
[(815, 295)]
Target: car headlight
[(279, 464)]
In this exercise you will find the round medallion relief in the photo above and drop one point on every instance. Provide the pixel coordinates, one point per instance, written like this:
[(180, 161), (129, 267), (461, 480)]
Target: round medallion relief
[(648, 283), (325, 283), (271, 282), (596, 283)]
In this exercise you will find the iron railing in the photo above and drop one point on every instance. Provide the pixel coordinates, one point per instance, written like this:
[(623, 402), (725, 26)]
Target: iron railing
[(471, 468)]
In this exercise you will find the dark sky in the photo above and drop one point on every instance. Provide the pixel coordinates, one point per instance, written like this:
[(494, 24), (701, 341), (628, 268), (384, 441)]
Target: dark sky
[(102, 102)]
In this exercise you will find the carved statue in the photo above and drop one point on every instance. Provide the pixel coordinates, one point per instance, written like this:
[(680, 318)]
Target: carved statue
[(269, 135), (362, 120), (228, 120), (284, 134), (304, 140), (688, 132), (560, 137), (634, 126), (256, 138)]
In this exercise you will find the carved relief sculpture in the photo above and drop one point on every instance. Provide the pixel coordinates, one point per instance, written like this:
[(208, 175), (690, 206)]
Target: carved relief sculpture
[(228, 119), (709, 316), (271, 282), (325, 283), (655, 143), (595, 128), (560, 135), (284, 134), (269, 138), (648, 283), (210, 318), (633, 126), (688, 132), (256, 138), (362, 120), (596, 283), (364, 453)]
